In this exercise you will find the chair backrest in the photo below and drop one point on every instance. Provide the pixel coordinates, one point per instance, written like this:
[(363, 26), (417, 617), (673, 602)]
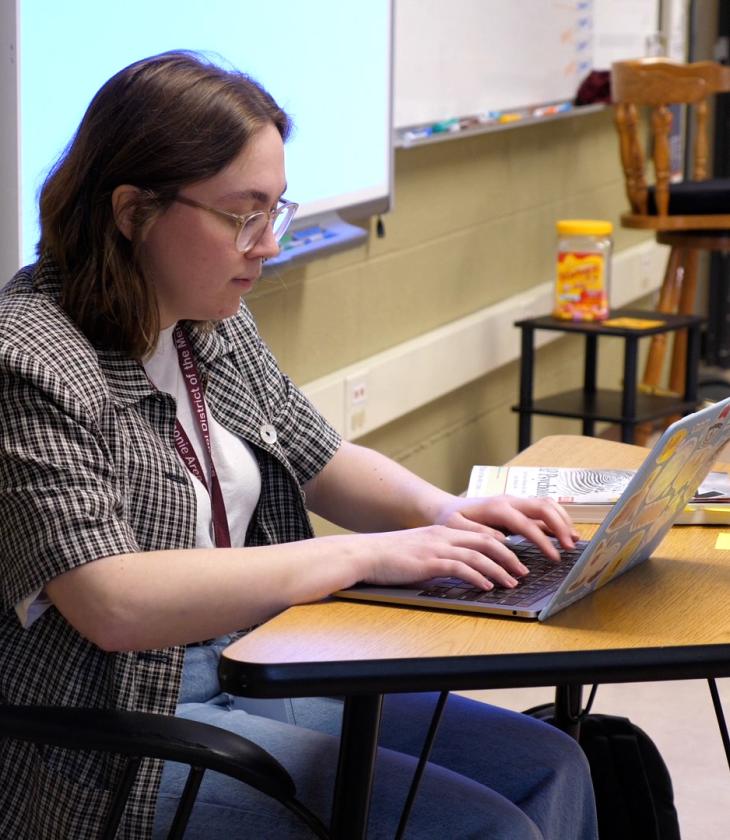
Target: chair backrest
[(657, 84)]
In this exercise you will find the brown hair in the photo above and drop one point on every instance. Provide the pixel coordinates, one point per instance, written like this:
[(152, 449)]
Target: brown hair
[(159, 124)]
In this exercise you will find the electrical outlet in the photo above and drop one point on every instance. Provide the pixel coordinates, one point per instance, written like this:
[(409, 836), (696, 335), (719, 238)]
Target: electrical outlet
[(358, 394), (356, 400)]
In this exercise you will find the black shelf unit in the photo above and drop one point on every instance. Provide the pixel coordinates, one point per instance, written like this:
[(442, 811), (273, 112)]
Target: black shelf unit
[(627, 407), (716, 351)]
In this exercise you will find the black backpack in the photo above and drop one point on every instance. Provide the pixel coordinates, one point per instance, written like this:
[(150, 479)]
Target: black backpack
[(633, 788)]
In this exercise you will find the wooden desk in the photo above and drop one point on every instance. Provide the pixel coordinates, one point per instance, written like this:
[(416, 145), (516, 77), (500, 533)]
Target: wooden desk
[(680, 629)]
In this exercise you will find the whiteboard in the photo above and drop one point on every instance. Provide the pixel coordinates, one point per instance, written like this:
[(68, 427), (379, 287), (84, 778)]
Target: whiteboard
[(310, 56), (456, 58)]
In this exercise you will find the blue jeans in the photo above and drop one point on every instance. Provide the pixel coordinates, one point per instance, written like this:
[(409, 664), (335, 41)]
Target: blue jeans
[(493, 773)]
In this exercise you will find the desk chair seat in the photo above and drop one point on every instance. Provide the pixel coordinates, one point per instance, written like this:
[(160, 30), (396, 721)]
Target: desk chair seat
[(693, 199), (139, 735), (690, 216)]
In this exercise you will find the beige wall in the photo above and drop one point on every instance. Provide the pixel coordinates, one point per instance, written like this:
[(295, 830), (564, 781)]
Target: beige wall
[(473, 223)]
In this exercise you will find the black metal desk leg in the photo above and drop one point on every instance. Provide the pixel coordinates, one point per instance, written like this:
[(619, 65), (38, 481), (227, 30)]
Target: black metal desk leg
[(628, 401), (356, 766), (527, 359), (714, 693), (691, 379), (589, 379), (568, 704)]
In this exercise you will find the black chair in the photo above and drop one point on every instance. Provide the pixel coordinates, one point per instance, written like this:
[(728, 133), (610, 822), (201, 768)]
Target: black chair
[(139, 735)]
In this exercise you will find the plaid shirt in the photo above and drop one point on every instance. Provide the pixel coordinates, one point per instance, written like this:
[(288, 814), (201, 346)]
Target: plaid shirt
[(88, 469)]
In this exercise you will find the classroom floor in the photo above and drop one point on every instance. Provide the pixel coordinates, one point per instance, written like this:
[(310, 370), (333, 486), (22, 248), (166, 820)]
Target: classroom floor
[(680, 719)]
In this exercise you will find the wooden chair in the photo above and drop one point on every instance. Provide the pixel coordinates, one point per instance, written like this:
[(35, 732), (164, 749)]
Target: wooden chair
[(690, 216)]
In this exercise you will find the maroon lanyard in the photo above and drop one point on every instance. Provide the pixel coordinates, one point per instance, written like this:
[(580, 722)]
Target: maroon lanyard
[(194, 386)]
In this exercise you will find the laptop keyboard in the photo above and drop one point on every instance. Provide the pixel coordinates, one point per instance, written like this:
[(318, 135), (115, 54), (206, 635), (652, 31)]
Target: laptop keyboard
[(544, 578)]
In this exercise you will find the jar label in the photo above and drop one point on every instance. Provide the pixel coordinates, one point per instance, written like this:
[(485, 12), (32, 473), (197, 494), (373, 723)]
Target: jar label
[(580, 287)]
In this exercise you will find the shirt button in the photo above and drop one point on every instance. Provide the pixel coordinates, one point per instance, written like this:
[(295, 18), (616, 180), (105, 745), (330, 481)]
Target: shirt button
[(268, 433)]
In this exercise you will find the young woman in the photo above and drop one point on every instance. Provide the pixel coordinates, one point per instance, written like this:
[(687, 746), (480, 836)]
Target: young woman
[(156, 469)]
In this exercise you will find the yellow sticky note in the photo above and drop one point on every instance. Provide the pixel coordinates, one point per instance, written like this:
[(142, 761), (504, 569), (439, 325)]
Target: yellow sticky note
[(723, 541), (633, 323)]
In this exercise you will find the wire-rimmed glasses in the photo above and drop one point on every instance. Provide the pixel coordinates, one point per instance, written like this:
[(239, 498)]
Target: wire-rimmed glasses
[(252, 226)]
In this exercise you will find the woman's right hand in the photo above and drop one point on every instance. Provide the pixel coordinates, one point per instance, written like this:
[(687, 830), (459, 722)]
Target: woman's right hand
[(400, 557)]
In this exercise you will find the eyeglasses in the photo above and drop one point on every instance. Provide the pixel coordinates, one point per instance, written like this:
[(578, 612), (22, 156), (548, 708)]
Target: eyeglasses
[(252, 226)]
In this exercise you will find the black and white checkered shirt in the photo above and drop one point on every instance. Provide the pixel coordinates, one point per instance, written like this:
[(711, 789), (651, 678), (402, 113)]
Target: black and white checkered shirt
[(88, 469)]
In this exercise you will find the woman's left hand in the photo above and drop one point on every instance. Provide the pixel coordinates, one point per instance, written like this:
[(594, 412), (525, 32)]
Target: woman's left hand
[(499, 515)]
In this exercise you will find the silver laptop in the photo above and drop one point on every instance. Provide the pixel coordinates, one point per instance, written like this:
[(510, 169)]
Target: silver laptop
[(645, 511)]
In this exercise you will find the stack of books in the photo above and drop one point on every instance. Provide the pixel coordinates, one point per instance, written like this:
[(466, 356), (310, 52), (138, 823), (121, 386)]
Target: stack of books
[(588, 494)]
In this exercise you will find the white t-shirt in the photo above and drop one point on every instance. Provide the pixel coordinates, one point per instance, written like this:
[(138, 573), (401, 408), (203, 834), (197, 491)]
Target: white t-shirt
[(235, 464)]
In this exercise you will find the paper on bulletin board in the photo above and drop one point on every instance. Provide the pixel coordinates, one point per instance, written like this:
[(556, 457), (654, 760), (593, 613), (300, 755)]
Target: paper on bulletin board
[(623, 29), (675, 28)]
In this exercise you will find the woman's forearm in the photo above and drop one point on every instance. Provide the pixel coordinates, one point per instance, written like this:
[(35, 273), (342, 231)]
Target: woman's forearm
[(362, 490), (159, 598)]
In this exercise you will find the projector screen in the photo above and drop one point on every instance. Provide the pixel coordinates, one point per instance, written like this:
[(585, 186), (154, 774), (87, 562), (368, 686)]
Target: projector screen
[(327, 63)]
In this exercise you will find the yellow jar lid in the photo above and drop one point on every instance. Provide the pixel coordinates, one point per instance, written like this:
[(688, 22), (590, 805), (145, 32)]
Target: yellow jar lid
[(584, 227)]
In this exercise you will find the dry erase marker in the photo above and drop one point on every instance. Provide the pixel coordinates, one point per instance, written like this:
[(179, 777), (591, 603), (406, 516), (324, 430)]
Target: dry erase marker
[(309, 234), (445, 125), (547, 110), (417, 133), (508, 118)]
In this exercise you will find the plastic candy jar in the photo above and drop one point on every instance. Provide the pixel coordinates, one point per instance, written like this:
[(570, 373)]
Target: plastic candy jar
[(583, 270)]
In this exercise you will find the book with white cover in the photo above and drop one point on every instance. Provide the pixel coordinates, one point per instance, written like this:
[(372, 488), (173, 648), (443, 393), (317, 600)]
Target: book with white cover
[(588, 494)]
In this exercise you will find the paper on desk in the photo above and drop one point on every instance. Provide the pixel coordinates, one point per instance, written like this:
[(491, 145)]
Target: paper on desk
[(723, 541)]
